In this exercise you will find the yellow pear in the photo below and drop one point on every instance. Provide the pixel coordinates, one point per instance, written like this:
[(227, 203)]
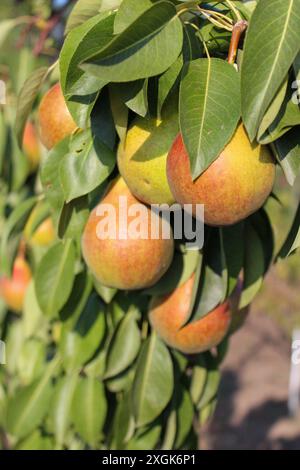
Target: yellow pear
[(142, 158), (233, 187)]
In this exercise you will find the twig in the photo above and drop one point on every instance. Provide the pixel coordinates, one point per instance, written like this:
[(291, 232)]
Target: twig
[(238, 29), (45, 33), (47, 28)]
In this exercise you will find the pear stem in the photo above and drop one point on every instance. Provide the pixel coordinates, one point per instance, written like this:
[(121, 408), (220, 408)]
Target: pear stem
[(238, 29)]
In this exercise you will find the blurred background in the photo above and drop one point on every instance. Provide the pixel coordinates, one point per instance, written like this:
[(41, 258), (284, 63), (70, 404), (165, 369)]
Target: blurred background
[(252, 412)]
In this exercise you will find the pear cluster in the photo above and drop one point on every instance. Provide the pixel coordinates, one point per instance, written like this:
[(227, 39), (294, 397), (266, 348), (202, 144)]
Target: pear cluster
[(154, 168)]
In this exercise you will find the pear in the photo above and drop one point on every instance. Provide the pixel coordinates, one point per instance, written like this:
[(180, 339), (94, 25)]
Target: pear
[(55, 120), (126, 258), (233, 187)]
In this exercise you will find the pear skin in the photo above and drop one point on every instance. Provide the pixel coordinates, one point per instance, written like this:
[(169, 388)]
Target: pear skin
[(13, 290), (142, 159), (168, 315), (126, 260), (55, 120), (31, 145), (233, 187)]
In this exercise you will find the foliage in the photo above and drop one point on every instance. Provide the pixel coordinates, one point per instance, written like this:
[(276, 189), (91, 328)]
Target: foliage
[(84, 368)]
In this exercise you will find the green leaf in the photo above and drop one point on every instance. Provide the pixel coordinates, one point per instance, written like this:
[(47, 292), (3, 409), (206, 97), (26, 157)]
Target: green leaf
[(124, 345), (54, 277), (61, 406), (27, 408), (89, 410), (181, 269), (211, 385), (209, 110), (20, 165), (233, 246), (123, 425), (31, 360), (36, 441), (79, 43), (82, 11), (88, 163), (102, 121), (262, 225), (106, 293), (273, 110), (79, 343), (146, 48), (167, 81), (128, 12), (16, 220), (135, 96), (207, 411), (292, 241), (32, 317), (153, 384), (73, 218), (96, 367), (254, 266), (199, 376), (37, 217), (287, 152), (14, 342), (108, 5), (50, 175), (185, 416), (192, 44), (287, 119), (272, 43), (121, 382), (77, 300), (217, 40), (170, 429), (26, 99), (213, 285), (119, 111), (145, 438)]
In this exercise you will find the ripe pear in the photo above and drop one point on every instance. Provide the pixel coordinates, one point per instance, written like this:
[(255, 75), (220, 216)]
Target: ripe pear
[(31, 145), (234, 186), (44, 235), (55, 120), (126, 259), (142, 158), (168, 315), (13, 289)]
